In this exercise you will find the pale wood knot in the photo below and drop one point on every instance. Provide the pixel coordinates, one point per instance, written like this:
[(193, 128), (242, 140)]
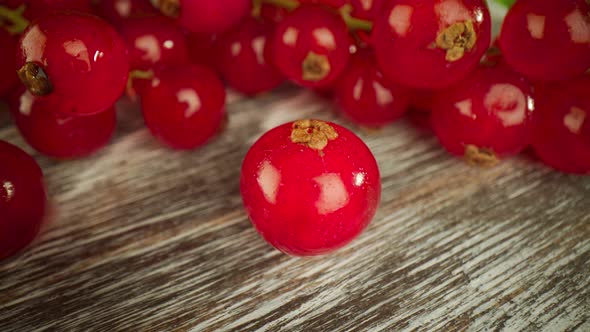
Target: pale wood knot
[(314, 134), (457, 39)]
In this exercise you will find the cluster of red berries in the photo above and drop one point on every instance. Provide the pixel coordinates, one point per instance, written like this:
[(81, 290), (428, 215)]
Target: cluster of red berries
[(308, 186)]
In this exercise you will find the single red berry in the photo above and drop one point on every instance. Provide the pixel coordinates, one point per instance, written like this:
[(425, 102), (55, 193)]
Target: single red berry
[(184, 106), (8, 78), (366, 98), (310, 187), (154, 41), (547, 40), (562, 125), (60, 135), (431, 44), (22, 199), (39, 8), (118, 12), (205, 16), (77, 60), (486, 117), (311, 46), (245, 58)]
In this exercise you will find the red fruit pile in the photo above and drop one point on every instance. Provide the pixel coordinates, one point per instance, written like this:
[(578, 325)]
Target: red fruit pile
[(64, 64)]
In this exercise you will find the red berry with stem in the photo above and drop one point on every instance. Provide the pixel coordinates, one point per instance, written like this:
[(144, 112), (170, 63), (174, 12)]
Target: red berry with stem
[(22, 199), (310, 187), (245, 58), (366, 98), (118, 11), (562, 125), (60, 135), (79, 61), (205, 16), (184, 106), (153, 42), (311, 46), (431, 44), (486, 117), (547, 40), (8, 78), (38, 8)]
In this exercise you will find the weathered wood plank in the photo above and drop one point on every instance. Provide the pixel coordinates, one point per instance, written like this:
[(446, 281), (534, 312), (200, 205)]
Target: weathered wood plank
[(148, 239)]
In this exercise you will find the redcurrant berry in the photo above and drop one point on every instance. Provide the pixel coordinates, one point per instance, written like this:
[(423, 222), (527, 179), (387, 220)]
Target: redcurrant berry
[(184, 106), (485, 117), (366, 98), (22, 199), (420, 108), (8, 78), (547, 40), (205, 16), (38, 8), (562, 125), (60, 135), (118, 11), (310, 187), (311, 46), (245, 57), (431, 44), (154, 41), (79, 61)]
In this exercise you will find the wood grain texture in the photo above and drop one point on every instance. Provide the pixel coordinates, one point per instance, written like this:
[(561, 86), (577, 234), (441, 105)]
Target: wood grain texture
[(147, 239)]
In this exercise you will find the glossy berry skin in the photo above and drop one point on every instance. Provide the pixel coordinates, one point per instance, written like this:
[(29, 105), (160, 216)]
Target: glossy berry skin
[(8, 78), (118, 12), (83, 58), (39, 8), (547, 40), (366, 98), (206, 16), (154, 41), (184, 106), (310, 187), (431, 44), (486, 117), (23, 199), (562, 126), (59, 135), (311, 46), (245, 58)]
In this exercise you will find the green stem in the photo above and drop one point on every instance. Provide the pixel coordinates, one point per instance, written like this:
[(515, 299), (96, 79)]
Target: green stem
[(18, 23), (287, 4), (137, 74), (345, 12), (352, 22)]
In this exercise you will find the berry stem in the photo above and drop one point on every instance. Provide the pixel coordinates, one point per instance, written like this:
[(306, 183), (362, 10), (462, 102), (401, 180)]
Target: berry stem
[(137, 74), (345, 12), (352, 22), (17, 23)]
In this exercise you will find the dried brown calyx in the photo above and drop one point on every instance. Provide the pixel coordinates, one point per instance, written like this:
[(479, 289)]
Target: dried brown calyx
[(481, 157), (457, 39), (315, 67), (170, 8), (35, 79), (314, 134)]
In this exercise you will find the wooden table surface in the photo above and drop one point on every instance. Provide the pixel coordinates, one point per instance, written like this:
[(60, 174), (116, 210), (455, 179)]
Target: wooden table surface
[(147, 239)]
